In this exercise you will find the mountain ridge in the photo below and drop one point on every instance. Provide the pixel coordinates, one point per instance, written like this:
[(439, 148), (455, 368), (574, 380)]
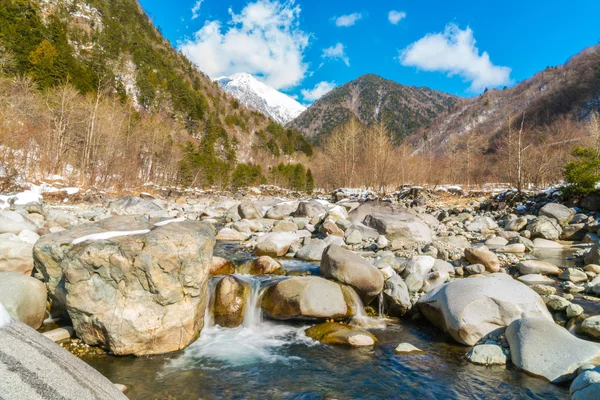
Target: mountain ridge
[(373, 99)]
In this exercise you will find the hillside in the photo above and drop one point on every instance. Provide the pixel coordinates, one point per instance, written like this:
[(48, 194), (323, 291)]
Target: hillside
[(126, 79), (260, 97), (371, 99), (569, 91)]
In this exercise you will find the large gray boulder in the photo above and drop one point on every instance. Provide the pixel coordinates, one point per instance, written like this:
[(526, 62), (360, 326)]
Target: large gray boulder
[(350, 268), (306, 297), (313, 251), (23, 297), (247, 210), (358, 214), (358, 232), (282, 210), (15, 255), (133, 205), (399, 226), (33, 367), (482, 224), (13, 222), (559, 212), (137, 294), (310, 209), (396, 296), (545, 228), (469, 309), (50, 250), (275, 244), (545, 349)]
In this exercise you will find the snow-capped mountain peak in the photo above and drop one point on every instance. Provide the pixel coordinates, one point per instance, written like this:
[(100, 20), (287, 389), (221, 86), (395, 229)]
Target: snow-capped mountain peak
[(260, 97)]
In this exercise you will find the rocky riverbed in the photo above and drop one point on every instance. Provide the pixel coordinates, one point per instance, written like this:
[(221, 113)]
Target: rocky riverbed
[(408, 295)]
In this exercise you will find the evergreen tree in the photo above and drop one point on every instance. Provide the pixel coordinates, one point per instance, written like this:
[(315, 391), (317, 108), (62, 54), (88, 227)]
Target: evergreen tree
[(310, 182), (582, 174)]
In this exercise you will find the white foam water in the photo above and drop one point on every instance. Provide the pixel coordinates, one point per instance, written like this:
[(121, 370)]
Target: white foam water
[(362, 319), (255, 341)]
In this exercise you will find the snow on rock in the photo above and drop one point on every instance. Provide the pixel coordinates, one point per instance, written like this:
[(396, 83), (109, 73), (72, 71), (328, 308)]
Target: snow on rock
[(108, 235), (5, 319), (168, 221), (256, 95)]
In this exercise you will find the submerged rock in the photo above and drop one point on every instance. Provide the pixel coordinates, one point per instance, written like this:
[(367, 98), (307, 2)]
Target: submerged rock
[(407, 348), (545, 349), (586, 386), (469, 309), (487, 354), (341, 334)]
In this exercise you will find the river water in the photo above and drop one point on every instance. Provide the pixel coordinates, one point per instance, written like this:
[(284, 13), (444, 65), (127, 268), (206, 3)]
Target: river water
[(274, 360)]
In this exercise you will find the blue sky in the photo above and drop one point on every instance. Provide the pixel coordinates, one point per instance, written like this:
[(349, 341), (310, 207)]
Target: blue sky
[(306, 47)]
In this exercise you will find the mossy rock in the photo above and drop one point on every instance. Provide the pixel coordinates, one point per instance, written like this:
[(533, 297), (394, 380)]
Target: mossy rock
[(341, 334)]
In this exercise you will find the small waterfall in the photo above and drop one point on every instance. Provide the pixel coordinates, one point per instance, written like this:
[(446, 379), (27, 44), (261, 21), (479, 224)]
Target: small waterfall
[(381, 305), (253, 311), (209, 319), (360, 316)]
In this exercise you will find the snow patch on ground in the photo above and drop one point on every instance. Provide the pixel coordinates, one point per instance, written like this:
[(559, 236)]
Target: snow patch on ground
[(108, 235), (28, 196)]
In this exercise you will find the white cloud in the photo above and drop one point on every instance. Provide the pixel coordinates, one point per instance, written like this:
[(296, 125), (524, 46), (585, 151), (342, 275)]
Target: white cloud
[(347, 20), (337, 52), (454, 52), (319, 90), (396, 16), (196, 9), (264, 40)]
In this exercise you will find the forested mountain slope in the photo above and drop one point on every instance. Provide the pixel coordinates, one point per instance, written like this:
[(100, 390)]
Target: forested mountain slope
[(372, 99), (92, 87)]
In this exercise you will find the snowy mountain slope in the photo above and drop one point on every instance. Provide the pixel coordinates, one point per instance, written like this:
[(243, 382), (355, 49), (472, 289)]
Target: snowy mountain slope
[(256, 95)]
